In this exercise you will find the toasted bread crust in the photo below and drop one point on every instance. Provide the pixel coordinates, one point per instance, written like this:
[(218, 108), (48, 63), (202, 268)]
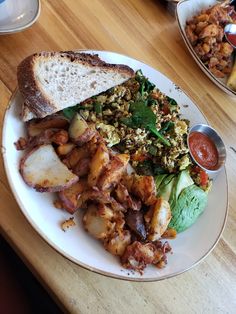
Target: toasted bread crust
[(36, 102)]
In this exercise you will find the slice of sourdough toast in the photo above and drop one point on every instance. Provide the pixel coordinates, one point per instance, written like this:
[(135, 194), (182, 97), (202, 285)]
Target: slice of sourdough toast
[(52, 81)]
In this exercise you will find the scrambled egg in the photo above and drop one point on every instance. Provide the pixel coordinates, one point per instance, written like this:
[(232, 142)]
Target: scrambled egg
[(109, 133)]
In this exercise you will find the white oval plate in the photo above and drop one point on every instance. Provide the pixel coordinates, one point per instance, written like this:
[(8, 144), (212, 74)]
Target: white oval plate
[(189, 247), (16, 16), (185, 10)]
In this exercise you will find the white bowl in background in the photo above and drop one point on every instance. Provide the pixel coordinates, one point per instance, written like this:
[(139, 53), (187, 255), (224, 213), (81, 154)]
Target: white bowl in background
[(17, 15)]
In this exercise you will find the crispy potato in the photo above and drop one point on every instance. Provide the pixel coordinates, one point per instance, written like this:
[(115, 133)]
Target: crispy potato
[(36, 126), (67, 224), (79, 131), (98, 163), (144, 188), (113, 172), (69, 198), (77, 154), (82, 167), (65, 149), (96, 224), (158, 218), (127, 201), (117, 244), (42, 169)]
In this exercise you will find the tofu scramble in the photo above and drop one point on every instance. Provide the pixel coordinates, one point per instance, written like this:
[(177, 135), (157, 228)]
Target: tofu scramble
[(113, 114)]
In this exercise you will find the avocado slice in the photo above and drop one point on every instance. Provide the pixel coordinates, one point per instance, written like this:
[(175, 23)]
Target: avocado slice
[(190, 204), (166, 187), (183, 180), (159, 179)]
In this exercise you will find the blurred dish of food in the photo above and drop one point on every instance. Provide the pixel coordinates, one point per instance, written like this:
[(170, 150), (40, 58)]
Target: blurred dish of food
[(202, 24), (16, 16)]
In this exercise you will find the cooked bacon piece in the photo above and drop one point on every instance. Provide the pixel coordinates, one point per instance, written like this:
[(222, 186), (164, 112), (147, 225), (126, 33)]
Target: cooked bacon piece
[(162, 249), (137, 256)]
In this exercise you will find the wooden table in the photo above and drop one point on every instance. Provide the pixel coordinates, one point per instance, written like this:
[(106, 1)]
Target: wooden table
[(144, 30)]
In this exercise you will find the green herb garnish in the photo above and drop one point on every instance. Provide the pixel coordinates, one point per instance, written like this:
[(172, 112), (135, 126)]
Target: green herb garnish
[(97, 107), (145, 85), (70, 111), (143, 117)]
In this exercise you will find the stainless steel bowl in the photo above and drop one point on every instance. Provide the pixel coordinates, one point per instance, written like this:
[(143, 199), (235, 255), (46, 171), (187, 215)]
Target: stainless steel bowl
[(214, 136)]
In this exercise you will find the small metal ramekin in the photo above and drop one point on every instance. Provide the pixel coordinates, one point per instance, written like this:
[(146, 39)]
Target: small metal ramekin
[(214, 136)]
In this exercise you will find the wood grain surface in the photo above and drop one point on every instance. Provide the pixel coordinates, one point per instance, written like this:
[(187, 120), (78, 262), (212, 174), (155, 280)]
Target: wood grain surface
[(145, 30)]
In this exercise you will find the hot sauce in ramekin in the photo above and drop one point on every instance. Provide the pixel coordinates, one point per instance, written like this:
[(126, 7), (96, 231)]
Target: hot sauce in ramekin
[(204, 150)]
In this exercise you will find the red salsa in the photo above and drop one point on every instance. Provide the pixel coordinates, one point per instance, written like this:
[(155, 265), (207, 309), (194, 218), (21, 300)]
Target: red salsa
[(232, 38), (203, 150)]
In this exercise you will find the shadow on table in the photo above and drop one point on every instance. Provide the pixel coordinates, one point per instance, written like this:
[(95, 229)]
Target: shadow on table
[(20, 292)]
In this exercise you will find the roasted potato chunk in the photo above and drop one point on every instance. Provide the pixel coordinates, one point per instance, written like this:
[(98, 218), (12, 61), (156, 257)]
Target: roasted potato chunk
[(79, 131), (117, 244), (69, 197), (158, 218), (96, 224), (144, 188), (42, 169), (98, 163), (113, 172)]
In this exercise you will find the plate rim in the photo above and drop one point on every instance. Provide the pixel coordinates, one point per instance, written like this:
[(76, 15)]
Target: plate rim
[(61, 251), (194, 55), (8, 31)]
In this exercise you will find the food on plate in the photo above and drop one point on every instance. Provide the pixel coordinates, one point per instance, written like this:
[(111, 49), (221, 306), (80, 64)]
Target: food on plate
[(121, 157), (205, 31), (67, 224), (204, 150), (231, 82), (42, 169), (52, 81), (187, 201)]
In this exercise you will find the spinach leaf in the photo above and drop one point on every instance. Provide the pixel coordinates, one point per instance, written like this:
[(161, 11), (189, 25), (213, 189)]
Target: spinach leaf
[(172, 104), (97, 107), (167, 126), (143, 117), (70, 111), (145, 85), (148, 168)]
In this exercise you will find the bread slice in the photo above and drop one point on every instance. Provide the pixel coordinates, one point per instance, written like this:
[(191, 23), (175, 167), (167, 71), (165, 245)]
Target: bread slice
[(52, 81)]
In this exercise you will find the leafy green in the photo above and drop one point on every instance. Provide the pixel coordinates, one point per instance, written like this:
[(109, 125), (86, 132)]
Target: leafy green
[(70, 111), (172, 104), (149, 168), (97, 107), (167, 126), (145, 85), (152, 150), (143, 117)]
